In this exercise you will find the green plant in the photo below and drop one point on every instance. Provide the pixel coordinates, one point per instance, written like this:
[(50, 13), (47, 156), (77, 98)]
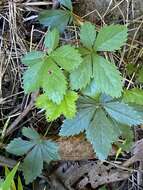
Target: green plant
[(59, 18), (101, 75), (13, 185), (103, 121), (45, 68), (37, 150), (83, 85), (8, 183)]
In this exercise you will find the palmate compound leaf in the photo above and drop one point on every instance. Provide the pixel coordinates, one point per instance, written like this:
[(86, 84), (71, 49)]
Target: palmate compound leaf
[(111, 38), (67, 107), (67, 57), (101, 126), (88, 35), (134, 95), (49, 76), (106, 76), (55, 18), (52, 40), (37, 150), (97, 74)]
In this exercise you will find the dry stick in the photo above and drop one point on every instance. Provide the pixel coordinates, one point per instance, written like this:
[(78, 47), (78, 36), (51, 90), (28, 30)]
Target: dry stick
[(13, 126), (7, 162)]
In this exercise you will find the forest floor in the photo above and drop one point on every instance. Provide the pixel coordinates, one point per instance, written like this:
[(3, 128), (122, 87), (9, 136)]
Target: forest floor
[(20, 32)]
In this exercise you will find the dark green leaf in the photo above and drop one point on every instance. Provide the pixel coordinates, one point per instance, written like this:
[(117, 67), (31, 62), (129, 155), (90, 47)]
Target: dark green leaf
[(19, 146), (128, 137), (140, 76), (101, 133), (55, 18), (77, 125), (86, 109), (33, 164), (30, 133), (49, 151), (101, 119), (84, 51), (134, 95), (130, 68), (32, 77), (37, 149)]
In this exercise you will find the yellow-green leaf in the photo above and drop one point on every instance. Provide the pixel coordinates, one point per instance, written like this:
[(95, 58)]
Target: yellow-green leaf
[(67, 107)]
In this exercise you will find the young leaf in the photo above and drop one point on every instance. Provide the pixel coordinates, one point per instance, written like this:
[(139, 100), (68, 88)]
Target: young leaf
[(134, 95), (39, 150), (67, 107), (33, 57), (101, 133), (80, 77), (123, 113), (106, 76), (111, 38), (55, 18), (67, 57), (66, 3), (52, 40), (46, 74), (87, 35)]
